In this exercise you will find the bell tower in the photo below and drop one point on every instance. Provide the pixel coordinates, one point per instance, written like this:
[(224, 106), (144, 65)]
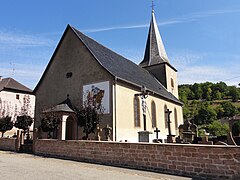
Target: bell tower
[(156, 60)]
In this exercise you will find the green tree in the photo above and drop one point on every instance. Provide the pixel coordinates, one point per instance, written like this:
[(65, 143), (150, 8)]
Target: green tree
[(219, 88), (88, 118), (234, 93), (49, 123), (229, 109), (206, 115), (183, 95), (236, 128), (23, 122), (217, 95), (220, 112), (207, 91), (216, 128), (197, 90), (6, 124)]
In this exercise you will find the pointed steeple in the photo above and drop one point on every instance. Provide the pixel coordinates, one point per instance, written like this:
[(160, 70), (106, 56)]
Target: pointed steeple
[(155, 52)]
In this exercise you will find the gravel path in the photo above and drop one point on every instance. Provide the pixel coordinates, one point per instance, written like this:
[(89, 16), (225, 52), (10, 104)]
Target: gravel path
[(26, 166)]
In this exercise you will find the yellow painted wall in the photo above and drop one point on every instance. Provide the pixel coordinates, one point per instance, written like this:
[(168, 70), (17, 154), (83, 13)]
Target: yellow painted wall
[(125, 129), (171, 74)]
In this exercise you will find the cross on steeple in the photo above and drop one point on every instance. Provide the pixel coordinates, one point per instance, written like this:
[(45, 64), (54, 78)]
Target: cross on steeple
[(153, 5)]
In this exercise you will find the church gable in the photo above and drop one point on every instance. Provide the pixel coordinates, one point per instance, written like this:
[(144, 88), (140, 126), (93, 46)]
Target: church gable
[(71, 67)]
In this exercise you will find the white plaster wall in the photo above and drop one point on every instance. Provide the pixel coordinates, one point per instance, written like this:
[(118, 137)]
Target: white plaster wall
[(125, 129), (13, 106)]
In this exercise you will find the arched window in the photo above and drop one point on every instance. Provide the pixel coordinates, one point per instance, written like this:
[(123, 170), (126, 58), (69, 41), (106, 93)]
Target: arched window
[(176, 118), (154, 120), (172, 83), (136, 112), (166, 116)]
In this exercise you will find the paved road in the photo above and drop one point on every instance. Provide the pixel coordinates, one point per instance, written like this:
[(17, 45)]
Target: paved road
[(25, 167)]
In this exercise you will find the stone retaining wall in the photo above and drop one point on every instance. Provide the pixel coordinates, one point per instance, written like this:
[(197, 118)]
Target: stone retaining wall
[(8, 144), (217, 162)]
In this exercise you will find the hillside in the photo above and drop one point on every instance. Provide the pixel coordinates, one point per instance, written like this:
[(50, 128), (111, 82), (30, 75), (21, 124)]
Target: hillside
[(205, 103)]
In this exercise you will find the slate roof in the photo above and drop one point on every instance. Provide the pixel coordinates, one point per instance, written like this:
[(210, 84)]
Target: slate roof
[(123, 68), (12, 85), (155, 52), (65, 106)]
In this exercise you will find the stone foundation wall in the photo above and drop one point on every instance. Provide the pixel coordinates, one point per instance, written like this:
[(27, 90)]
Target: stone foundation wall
[(8, 144), (217, 162)]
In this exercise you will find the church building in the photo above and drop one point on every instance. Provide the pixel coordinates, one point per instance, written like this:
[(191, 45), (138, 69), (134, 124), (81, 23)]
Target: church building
[(132, 97)]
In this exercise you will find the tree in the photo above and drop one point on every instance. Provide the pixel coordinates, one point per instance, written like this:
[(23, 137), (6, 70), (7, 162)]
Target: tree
[(206, 115), (217, 95), (49, 123), (207, 91), (216, 128), (220, 111), (234, 93), (197, 90), (219, 90), (23, 122), (229, 109), (88, 118), (6, 124)]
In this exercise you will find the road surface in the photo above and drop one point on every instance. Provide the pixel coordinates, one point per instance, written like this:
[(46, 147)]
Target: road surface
[(25, 166)]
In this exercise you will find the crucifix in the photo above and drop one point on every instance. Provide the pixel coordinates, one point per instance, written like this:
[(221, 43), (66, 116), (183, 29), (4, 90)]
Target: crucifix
[(157, 131), (168, 112)]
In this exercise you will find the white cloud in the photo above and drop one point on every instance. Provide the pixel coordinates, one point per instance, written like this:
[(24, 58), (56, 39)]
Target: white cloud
[(9, 39), (182, 19), (202, 67), (202, 73), (24, 73)]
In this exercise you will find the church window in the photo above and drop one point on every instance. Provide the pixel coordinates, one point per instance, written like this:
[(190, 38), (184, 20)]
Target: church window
[(69, 75), (17, 96), (154, 120), (172, 83), (166, 116), (176, 118), (136, 111)]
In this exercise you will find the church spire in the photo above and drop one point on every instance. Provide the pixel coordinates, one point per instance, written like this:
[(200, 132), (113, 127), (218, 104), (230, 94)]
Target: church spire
[(155, 52)]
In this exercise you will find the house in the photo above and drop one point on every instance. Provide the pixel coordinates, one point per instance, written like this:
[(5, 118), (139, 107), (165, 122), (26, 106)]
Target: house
[(13, 96), (82, 69)]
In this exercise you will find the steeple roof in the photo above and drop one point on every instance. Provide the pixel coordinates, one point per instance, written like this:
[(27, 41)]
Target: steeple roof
[(155, 52)]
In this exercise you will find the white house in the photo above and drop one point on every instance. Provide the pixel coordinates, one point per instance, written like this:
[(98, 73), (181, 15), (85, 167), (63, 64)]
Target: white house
[(13, 96)]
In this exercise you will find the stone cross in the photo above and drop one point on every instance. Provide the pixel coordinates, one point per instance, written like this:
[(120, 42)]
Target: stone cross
[(107, 130), (157, 131), (168, 112)]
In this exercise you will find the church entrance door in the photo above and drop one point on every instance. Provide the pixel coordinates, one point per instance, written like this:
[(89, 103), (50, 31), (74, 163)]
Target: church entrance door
[(70, 128)]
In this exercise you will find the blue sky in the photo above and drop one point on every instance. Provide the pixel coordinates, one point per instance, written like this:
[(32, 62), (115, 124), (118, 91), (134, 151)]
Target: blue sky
[(201, 37)]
